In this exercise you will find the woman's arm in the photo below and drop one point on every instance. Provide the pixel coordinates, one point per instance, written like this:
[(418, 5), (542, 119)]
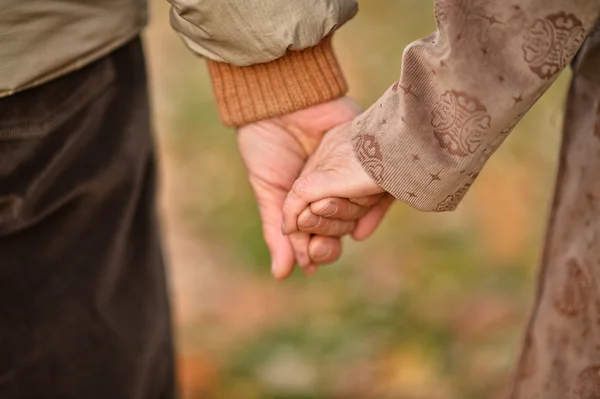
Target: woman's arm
[(461, 92)]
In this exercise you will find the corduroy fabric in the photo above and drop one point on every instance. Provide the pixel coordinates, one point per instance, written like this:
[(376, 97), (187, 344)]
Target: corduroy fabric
[(83, 293)]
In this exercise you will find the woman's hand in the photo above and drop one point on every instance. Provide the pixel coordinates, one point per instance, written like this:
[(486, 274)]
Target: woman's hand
[(334, 194), (275, 152)]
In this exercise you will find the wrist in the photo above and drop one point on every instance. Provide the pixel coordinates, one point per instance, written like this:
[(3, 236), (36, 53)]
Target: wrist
[(311, 124)]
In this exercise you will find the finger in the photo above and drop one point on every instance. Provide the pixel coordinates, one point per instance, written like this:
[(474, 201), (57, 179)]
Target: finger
[(282, 254), (324, 250), (280, 247), (369, 200), (300, 242), (338, 208), (318, 185), (281, 250), (313, 224), (369, 223)]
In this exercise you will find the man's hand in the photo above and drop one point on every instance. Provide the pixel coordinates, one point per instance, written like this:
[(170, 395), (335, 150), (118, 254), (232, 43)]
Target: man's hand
[(335, 172), (275, 151)]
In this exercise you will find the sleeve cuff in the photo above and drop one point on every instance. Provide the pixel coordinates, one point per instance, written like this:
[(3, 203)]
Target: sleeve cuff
[(295, 81)]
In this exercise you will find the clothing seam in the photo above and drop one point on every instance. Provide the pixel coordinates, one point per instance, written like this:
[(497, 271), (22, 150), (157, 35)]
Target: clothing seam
[(76, 64)]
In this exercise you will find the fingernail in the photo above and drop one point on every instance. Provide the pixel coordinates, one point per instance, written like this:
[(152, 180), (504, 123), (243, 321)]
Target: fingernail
[(283, 228), (322, 252), (277, 272), (310, 221), (273, 267), (329, 210), (310, 270)]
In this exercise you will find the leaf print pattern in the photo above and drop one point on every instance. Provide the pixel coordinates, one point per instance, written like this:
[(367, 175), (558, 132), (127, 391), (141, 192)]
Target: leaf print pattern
[(369, 154), (551, 42), (575, 294), (588, 383)]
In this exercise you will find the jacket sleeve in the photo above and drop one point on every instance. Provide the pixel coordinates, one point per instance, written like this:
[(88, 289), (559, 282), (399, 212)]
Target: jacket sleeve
[(461, 92), (266, 57)]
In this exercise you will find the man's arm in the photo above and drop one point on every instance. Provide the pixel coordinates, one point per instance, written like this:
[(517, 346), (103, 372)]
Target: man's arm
[(461, 92), (266, 57), (271, 61)]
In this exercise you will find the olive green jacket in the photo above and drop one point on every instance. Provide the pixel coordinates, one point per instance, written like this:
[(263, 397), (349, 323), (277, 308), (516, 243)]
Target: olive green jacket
[(44, 39)]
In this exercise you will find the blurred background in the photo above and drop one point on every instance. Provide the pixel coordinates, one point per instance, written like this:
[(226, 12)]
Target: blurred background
[(431, 307)]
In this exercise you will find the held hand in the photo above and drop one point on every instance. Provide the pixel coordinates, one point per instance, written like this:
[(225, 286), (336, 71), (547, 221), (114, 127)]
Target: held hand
[(275, 151), (334, 191)]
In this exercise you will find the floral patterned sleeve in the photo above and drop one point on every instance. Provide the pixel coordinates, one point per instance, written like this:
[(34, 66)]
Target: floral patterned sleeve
[(461, 92)]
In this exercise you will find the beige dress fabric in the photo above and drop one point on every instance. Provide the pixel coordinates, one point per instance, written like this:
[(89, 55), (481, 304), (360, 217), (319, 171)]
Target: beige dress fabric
[(461, 92), (561, 356)]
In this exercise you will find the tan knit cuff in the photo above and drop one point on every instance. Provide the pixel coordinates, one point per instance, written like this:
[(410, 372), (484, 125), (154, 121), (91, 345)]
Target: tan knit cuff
[(297, 80)]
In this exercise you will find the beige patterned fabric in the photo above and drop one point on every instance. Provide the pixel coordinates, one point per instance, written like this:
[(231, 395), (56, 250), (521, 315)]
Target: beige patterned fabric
[(461, 92), (561, 356)]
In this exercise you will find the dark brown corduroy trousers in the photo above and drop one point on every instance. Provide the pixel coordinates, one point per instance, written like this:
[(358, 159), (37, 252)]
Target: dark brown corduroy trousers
[(83, 301)]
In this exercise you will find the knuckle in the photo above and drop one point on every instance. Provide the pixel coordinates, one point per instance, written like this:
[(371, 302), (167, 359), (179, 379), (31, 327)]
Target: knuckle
[(320, 222), (362, 201), (334, 228), (350, 227), (287, 210), (302, 258), (343, 228), (352, 210), (300, 187), (316, 224)]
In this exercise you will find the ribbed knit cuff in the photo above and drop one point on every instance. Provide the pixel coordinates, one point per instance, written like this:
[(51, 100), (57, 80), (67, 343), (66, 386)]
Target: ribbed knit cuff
[(297, 80)]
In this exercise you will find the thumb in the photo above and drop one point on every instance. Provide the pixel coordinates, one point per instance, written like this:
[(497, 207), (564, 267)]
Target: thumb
[(280, 247)]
